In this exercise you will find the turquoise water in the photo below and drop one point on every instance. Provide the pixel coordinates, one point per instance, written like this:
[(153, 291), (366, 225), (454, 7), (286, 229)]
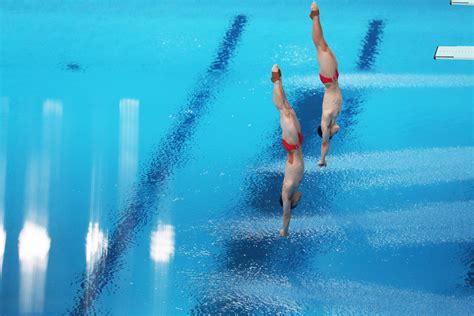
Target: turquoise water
[(140, 163)]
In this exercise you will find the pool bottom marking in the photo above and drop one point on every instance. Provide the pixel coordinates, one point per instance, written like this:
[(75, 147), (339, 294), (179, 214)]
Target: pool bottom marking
[(370, 49)]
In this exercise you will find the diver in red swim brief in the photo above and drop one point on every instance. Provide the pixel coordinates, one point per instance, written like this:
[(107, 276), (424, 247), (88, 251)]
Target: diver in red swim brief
[(291, 140), (329, 76)]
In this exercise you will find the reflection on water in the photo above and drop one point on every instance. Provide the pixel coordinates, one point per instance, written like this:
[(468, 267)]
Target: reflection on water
[(52, 108), (39, 168), (128, 143), (96, 240), (95, 193), (33, 250), (162, 244), (161, 251), (37, 189), (3, 238), (96, 245), (3, 169), (34, 242)]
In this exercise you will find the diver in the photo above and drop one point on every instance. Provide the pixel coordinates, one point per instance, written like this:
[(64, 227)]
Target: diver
[(291, 140), (328, 73)]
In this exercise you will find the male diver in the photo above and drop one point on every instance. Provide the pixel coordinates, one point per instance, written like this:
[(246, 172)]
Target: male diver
[(291, 140), (329, 75)]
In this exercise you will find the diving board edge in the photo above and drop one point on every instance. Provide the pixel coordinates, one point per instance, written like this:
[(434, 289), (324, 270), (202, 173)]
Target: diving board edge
[(454, 52), (461, 2), (436, 56)]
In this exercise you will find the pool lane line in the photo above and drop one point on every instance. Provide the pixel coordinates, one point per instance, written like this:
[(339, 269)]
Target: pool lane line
[(167, 157), (245, 254), (372, 41)]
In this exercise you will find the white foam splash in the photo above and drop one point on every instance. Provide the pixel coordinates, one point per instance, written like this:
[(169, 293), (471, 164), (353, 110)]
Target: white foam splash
[(383, 80)]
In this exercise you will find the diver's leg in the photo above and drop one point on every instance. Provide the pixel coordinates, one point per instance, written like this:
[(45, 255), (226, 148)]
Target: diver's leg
[(279, 96), (317, 30), (326, 60)]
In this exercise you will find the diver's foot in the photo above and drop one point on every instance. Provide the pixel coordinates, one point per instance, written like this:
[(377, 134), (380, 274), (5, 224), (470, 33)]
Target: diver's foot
[(296, 199), (283, 233), (322, 163), (276, 73), (314, 10)]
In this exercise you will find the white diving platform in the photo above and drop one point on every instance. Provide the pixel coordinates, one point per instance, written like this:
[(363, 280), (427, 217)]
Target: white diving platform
[(462, 2), (455, 52)]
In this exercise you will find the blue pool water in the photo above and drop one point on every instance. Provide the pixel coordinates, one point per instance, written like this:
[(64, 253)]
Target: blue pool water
[(140, 159)]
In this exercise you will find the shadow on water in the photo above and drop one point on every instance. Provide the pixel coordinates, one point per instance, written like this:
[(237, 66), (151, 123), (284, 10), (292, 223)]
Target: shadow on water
[(469, 279), (168, 157), (273, 256)]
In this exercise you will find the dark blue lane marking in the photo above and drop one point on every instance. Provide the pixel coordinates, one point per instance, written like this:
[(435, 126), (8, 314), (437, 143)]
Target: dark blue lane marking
[(273, 256), (372, 40), (73, 67), (168, 157)]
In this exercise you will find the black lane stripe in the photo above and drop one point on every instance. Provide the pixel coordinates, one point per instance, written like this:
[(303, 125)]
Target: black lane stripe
[(168, 157), (370, 49)]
